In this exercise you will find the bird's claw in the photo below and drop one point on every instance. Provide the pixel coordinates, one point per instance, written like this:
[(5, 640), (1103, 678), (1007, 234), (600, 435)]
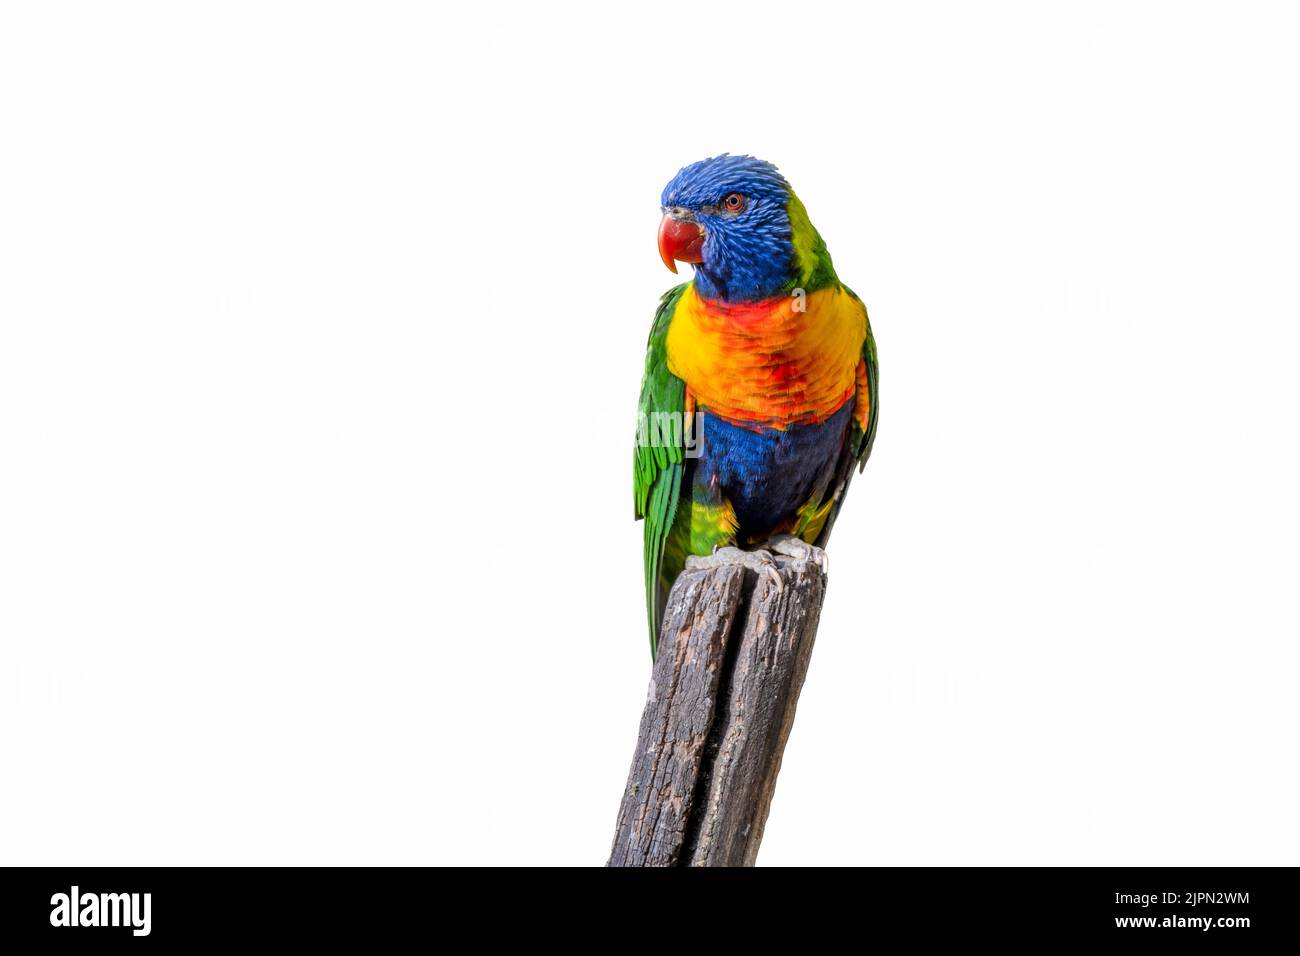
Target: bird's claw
[(800, 550), (760, 562)]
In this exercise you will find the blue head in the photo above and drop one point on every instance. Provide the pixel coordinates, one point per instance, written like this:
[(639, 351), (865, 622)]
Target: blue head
[(737, 220)]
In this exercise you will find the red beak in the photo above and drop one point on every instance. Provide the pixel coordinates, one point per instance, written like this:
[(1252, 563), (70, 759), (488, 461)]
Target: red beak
[(681, 241)]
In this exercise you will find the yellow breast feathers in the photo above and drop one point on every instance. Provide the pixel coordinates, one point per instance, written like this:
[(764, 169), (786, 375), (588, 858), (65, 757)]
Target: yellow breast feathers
[(784, 361)]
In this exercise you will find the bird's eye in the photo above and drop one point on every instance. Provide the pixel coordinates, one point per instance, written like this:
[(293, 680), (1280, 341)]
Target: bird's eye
[(734, 202)]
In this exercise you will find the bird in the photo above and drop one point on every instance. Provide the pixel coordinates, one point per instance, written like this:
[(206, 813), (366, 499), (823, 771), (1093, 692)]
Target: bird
[(759, 398)]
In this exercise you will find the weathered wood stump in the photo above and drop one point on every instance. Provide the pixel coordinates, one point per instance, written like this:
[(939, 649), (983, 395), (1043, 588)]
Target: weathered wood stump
[(733, 653)]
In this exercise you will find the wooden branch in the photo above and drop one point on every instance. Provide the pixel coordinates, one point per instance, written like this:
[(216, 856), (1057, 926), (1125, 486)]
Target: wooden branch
[(733, 652)]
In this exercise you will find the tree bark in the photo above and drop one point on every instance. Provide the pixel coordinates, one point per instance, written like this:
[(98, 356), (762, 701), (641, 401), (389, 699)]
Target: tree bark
[(733, 653)]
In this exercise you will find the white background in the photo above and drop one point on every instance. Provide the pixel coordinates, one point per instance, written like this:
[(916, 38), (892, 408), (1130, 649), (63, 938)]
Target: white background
[(322, 328)]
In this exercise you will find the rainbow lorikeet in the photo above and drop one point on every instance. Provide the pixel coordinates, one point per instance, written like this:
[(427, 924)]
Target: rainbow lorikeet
[(760, 387)]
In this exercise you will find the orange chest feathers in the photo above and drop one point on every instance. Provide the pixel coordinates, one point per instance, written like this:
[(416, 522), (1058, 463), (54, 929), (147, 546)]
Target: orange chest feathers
[(784, 361)]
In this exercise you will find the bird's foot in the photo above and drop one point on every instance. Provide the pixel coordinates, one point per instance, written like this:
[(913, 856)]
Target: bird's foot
[(800, 550), (760, 562)]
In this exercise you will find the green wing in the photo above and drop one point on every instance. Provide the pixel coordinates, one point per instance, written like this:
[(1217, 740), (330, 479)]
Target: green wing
[(858, 448), (658, 458), (866, 438)]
